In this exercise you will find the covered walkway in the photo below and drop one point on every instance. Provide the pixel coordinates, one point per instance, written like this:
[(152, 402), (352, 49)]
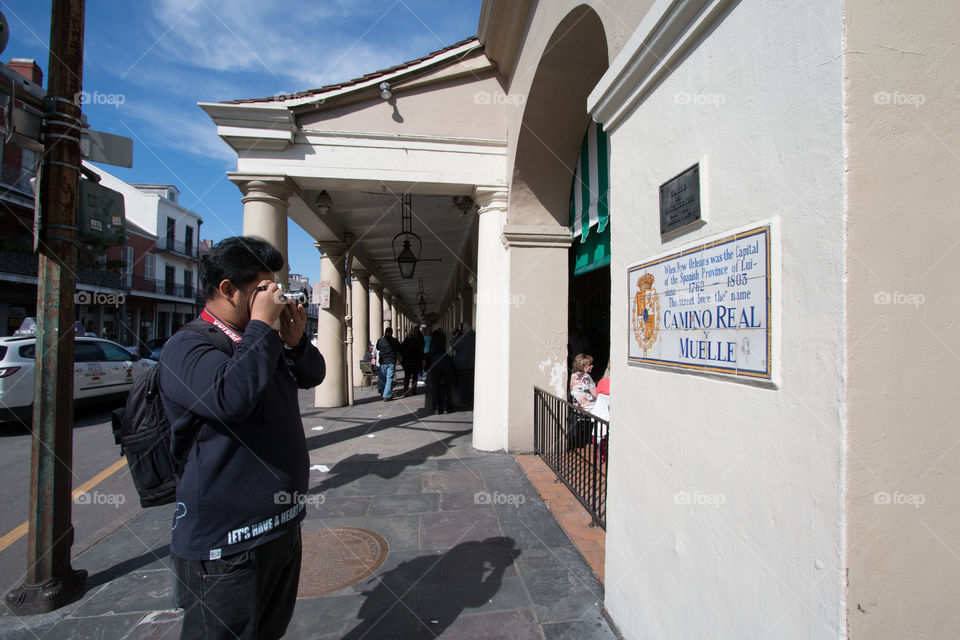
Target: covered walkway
[(447, 541)]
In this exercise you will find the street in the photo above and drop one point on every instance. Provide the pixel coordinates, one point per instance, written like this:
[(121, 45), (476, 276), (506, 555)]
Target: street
[(102, 509)]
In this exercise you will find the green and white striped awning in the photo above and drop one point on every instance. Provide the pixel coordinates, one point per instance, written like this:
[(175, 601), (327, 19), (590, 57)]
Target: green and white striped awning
[(589, 202)]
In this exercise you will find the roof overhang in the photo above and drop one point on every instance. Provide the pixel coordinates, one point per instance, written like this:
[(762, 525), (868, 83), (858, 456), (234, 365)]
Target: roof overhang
[(264, 127)]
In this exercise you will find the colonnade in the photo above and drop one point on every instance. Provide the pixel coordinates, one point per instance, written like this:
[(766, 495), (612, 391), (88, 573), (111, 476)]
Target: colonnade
[(515, 299)]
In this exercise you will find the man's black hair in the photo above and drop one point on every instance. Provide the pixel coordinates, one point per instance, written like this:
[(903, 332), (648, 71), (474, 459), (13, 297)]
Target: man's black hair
[(238, 260), (388, 331)]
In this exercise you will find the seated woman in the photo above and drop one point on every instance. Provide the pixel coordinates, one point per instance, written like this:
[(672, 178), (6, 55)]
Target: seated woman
[(582, 388)]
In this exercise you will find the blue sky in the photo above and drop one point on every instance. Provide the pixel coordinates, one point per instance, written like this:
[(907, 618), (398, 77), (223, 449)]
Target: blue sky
[(147, 64)]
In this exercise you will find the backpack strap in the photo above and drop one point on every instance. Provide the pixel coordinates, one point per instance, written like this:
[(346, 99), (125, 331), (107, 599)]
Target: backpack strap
[(222, 342), (219, 339)]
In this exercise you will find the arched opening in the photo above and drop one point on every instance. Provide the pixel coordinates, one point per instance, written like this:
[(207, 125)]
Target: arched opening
[(549, 147), (555, 118)]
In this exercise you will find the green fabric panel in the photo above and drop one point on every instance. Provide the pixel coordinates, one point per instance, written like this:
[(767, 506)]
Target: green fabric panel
[(593, 253), (603, 178), (585, 185)]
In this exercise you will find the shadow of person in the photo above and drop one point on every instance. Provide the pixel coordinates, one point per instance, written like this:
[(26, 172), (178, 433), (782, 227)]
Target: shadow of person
[(422, 597), (361, 465)]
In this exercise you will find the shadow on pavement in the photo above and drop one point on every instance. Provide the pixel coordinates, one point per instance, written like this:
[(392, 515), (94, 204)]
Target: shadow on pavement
[(361, 465), (368, 426), (127, 566), (85, 414), (430, 593)]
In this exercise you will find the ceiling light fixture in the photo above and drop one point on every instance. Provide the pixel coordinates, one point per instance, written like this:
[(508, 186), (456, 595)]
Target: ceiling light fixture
[(323, 203), (404, 255)]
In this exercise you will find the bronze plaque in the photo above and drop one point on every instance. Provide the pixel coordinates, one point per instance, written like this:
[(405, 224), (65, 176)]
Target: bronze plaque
[(338, 557), (680, 200)]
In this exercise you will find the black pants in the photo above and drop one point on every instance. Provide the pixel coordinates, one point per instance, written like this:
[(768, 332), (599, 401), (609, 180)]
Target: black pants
[(250, 594), (465, 383), (442, 378), (410, 373)]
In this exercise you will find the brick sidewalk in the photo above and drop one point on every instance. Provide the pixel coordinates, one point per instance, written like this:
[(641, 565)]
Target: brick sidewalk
[(590, 541)]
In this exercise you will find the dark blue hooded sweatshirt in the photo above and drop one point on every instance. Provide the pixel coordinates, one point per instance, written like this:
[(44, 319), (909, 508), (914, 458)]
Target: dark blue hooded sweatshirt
[(239, 418)]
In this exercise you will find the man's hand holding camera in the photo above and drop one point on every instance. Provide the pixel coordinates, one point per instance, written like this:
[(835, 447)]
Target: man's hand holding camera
[(269, 305), (293, 320)]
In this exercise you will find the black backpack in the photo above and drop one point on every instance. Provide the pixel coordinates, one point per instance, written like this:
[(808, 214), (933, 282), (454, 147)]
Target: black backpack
[(142, 430)]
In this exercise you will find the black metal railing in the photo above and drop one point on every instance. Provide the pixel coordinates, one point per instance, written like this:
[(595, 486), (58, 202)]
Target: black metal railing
[(175, 246), (25, 264), (573, 443), (18, 178)]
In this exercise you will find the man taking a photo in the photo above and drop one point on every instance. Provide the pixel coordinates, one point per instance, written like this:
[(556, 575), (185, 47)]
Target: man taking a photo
[(235, 420)]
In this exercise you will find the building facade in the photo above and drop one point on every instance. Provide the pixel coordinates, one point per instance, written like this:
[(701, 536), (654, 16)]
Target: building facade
[(166, 274), (778, 180)]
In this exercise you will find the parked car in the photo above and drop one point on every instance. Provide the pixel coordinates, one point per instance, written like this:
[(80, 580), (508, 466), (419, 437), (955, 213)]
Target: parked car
[(102, 369), (141, 350), (156, 347)]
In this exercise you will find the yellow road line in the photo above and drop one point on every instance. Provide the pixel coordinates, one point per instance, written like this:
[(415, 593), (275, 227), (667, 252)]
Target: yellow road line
[(21, 531)]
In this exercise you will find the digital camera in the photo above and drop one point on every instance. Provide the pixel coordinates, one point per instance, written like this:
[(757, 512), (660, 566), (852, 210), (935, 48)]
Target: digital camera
[(297, 296)]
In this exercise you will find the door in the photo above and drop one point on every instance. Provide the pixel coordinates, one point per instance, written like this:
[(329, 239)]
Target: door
[(89, 373), (119, 365)]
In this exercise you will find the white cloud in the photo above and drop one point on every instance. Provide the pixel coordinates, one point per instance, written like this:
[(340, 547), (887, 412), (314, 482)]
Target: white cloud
[(301, 44), (173, 128)]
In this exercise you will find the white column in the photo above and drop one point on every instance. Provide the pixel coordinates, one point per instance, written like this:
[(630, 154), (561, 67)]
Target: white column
[(265, 203), (472, 281), (361, 321), (466, 304), (457, 312), (376, 311), (388, 307), (491, 417), (331, 329)]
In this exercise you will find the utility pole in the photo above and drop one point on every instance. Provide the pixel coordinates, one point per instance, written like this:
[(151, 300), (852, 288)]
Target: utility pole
[(51, 582)]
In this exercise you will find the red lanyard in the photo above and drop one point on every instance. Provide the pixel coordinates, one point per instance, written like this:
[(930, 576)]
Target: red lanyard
[(209, 317)]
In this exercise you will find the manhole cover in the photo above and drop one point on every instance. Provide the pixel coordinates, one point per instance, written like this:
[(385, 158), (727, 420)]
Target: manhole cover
[(338, 557)]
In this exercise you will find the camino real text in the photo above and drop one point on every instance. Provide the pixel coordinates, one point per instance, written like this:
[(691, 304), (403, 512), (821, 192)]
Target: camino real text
[(712, 303)]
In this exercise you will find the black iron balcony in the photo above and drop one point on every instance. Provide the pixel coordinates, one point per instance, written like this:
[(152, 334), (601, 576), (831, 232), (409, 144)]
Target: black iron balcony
[(169, 245), (25, 264), (18, 178)]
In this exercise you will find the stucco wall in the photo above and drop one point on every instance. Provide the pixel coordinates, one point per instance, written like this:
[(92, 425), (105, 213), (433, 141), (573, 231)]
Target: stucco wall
[(725, 502), (470, 106), (903, 132), (619, 19)]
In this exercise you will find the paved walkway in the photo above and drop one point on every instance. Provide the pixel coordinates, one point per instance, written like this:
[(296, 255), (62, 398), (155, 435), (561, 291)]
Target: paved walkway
[(471, 549)]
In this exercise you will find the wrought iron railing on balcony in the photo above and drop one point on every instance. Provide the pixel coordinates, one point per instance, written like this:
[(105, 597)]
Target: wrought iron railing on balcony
[(25, 264), (18, 178), (573, 443), (176, 246)]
